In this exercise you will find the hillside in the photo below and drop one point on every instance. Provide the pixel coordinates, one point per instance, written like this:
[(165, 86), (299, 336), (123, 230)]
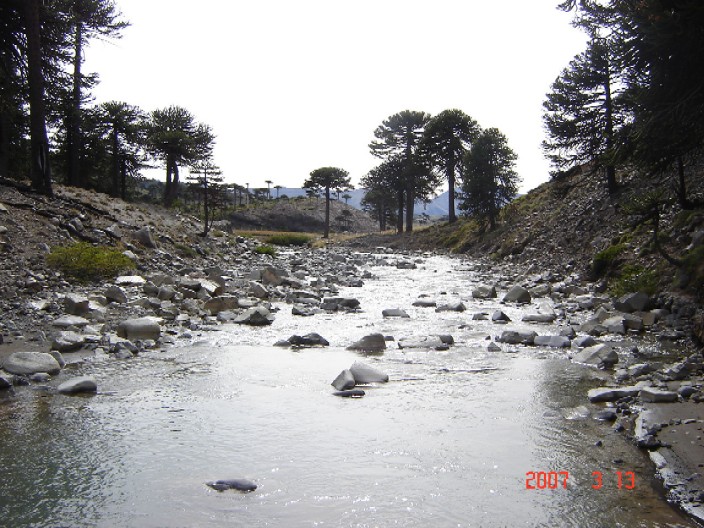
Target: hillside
[(574, 227), (301, 214)]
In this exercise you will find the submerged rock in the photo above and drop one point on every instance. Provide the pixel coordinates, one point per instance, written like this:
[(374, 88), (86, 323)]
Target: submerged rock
[(353, 393), (232, 484)]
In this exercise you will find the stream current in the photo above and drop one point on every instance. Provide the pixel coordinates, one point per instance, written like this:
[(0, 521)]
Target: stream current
[(448, 442)]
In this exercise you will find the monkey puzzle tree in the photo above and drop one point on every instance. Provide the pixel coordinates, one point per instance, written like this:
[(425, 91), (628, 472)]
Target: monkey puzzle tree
[(326, 178), (400, 135), (176, 139), (447, 138), (206, 177), (489, 180)]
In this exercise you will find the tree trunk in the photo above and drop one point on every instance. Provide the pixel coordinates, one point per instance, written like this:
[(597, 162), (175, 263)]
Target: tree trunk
[(610, 168), (4, 145), (399, 219), (206, 211), (682, 186), (167, 186), (451, 194), (40, 163), (410, 201), (123, 179), (73, 130), (327, 213), (115, 162)]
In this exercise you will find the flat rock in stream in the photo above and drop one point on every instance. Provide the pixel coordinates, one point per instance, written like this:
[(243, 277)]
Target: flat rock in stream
[(78, 385), (552, 341), (597, 356), (436, 342), (309, 340), (66, 341), (364, 373), (425, 303), (609, 394), (352, 393), (395, 312), (232, 484), (517, 337)]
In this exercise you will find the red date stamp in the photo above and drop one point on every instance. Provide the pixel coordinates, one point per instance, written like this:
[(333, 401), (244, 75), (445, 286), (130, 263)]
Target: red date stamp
[(559, 479)]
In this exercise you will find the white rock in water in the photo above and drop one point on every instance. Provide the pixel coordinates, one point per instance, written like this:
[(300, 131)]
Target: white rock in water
[(27, 363), (76, 385), (363, 373)]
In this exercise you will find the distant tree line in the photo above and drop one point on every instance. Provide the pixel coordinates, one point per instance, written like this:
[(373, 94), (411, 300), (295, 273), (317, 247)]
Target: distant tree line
[(634, 98), (419, 151)]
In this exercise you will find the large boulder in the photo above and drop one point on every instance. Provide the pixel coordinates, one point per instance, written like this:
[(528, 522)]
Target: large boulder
[(517, 337), (140, 328), (653, 395), (363, 373), (115, 294), (308, 340), (76, 385), (145, 237), (597, 356), (67, 341), (257, 316), (632, 302), (517, 294), (28, 363), (484, 292), (369, 343)]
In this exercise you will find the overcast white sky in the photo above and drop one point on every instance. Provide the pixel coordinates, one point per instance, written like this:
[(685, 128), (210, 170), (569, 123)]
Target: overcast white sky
[(292, 85)]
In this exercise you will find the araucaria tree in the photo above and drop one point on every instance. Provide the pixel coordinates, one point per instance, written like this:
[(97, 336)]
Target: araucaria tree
[(206, 179), (326, 178), (583, 113), (489, 180), (447, 138), (174, 137), (400, 135), (385, 189)]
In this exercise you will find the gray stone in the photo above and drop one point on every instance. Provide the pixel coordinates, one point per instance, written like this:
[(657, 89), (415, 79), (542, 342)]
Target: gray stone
[(481, 316), (517, 294), (27, 363), (233, 484), (70, 320), (434, 341), (632, 302), (344, 380), (145, 237), (75, 304), (593, 327), (115, 294), (499, 316), (273, 276), (302, 312), (425, 303), (640, 369), (552, 341), (369, 343), (257, 316), (166, 293), (257, 290), (514, 337), (451, 307), (653, 395), (130, 280), (608, 394), (597, 356), (66, 341), (633, 322), (5, 381), (395, 312), (539, 318), (583, 342), (140, 328), (76, 385), (220, 304), (364, 373), (352, 393), (308, 340), (484, 292), (493, 347), (614, 325)]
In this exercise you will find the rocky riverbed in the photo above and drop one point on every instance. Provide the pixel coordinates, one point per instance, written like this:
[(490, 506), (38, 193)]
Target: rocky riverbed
[(651, 375)]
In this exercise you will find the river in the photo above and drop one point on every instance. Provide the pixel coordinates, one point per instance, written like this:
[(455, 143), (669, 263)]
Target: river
[(450, 441)]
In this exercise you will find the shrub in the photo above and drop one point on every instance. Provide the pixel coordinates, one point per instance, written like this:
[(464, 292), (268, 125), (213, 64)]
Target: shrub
[(603, 260), (289, 239), (85, 262), (265, 250), (634, 278)]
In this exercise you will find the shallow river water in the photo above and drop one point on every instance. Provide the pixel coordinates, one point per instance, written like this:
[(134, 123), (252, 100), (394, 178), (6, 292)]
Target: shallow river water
[(449, 441)]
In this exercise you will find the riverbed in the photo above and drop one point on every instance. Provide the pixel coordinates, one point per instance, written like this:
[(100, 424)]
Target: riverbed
[(456, 438)]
